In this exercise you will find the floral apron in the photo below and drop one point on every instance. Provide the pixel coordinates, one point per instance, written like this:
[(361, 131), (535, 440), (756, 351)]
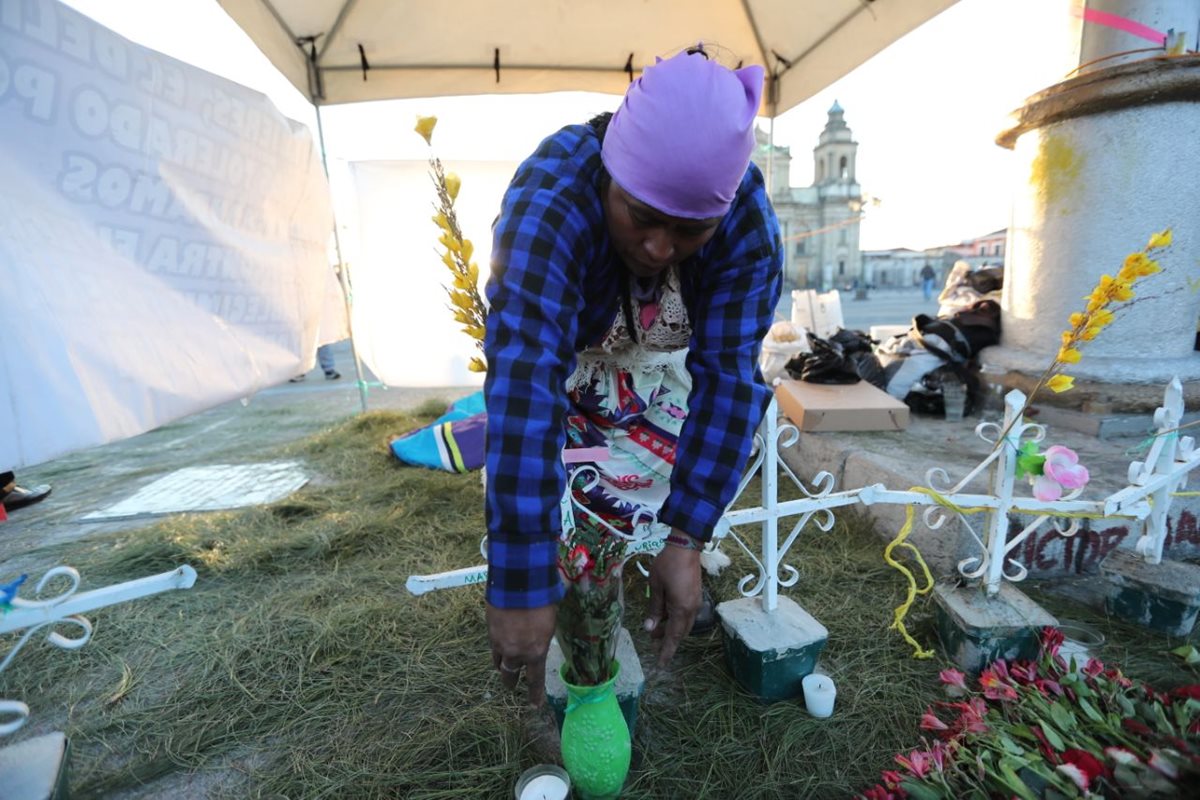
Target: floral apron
[(631, 396)]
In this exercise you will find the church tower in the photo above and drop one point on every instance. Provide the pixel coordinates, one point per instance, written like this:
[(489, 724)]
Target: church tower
[(819, 223), (835, 151), (840, 197)]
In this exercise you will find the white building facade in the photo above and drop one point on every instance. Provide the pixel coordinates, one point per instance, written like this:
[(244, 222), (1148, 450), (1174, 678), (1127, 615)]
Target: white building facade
[(820, 223)]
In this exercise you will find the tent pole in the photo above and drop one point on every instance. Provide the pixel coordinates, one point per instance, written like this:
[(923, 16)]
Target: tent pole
[(343, 273)]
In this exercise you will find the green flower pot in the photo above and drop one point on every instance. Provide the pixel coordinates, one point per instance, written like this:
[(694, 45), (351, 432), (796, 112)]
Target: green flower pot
[(595, 739)]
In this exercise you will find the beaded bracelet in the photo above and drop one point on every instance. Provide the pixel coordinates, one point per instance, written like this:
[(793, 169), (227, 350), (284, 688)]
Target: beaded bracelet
[(684, 541)]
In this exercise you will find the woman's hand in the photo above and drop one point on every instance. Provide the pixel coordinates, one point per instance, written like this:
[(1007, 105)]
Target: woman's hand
[(520, 638), (675, 597)]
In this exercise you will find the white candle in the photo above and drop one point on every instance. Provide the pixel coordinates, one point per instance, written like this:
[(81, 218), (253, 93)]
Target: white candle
[(819, 694), (545, 787)]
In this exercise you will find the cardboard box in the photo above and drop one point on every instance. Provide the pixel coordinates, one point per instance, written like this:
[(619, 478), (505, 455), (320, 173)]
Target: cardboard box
[(840, 407)]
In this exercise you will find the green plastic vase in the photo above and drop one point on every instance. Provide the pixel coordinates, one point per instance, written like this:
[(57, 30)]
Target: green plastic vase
[(595, 739)]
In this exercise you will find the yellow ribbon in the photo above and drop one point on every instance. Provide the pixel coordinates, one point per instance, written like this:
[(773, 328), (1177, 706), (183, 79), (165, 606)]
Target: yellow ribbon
[(913, 590), (902, 610)]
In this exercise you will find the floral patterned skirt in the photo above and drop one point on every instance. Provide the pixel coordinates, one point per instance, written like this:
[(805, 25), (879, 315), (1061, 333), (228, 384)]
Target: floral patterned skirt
[(634, 404)]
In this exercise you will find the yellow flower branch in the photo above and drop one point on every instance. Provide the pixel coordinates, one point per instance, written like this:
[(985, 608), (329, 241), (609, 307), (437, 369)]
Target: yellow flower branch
[(466, 303), (1099, 313)]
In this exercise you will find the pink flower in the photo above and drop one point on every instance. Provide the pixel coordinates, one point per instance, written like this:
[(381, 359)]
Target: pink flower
[(1093, 667), (970, 718), (1120, 755), (1062, 465), (1052, 639), (1024, 672), (1048, 687), (1046, 489), (955, 682), (994, 687), (1161, 765), (1114, 674), (1075, 774), (940, 755), (930, 722), (879, 793), (1091, 766), (892, 779), (917, 762)]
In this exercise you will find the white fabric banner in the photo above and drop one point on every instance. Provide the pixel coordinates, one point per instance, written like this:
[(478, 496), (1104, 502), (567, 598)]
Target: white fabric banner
[(163, 237), (403, 327)]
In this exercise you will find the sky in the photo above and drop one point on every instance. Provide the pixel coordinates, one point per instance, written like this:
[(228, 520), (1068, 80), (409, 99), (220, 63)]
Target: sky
[(925, 111)]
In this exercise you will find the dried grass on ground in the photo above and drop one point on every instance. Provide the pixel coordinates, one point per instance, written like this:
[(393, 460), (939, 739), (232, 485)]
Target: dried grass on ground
[(299, 667)]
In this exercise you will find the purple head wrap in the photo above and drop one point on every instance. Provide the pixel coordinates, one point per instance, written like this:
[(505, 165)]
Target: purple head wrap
[(681, 140)]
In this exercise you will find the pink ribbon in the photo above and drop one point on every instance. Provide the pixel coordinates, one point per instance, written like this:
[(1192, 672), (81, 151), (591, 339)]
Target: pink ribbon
[(1123, 24)]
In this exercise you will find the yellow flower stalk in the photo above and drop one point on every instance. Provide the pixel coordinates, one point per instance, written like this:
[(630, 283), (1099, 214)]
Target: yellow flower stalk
[(425, 126), (1086, 325), (1069, 355), (1160, 239), (466, 303), (1060, 383)]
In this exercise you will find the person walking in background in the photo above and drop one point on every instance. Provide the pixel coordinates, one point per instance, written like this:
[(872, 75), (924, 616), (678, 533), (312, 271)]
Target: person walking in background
[(13, 496), (325, 359), (927, 278), (636, 266)]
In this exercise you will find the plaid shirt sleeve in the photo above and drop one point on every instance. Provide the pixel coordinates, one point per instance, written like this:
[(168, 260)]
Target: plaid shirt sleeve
[(736, 291), (542, 237)]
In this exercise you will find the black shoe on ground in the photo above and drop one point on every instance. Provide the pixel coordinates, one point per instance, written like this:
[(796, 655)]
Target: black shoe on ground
[(332, 375), (296, 379), (20, 497)]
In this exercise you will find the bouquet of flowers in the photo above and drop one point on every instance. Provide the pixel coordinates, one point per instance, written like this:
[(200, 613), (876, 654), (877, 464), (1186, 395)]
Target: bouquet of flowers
[(1052, 729), (590, 560)]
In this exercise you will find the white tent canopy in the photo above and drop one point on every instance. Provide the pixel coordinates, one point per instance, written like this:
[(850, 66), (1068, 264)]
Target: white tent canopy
[(344, 51)]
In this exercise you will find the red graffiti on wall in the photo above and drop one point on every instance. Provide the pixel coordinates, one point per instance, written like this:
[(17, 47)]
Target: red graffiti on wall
[(1182, 532), (1048, 551)]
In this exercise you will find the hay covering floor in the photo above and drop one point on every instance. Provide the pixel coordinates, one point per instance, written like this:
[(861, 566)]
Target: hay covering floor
[(299, 667)]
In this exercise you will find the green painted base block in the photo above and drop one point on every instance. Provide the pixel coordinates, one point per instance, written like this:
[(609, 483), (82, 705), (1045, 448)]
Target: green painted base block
[(976, 630), (629, 687), (769, 654), (1163, 597)]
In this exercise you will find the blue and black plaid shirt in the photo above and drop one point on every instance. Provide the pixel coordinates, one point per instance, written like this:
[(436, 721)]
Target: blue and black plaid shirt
[(554, 290)]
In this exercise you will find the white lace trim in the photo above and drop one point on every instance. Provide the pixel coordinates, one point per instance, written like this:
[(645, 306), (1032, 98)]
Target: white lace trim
[(670, 330), (636, 360)]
